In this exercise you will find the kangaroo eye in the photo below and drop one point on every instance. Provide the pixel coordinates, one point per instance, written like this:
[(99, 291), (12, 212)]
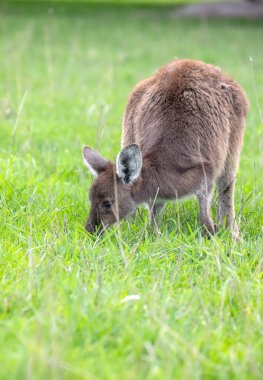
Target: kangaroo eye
[(106, 205)]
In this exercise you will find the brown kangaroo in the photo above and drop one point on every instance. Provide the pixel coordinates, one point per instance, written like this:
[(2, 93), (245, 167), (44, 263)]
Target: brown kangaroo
[(182, 131)]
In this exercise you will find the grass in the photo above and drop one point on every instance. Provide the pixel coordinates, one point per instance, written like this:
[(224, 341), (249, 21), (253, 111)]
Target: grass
[(65, 75)]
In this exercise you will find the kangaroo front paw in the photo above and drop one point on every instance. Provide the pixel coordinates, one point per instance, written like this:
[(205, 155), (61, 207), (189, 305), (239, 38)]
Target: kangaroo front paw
[(209, 229)]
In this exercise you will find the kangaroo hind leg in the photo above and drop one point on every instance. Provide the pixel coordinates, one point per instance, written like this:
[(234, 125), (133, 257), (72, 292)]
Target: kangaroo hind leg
[(226, 188)]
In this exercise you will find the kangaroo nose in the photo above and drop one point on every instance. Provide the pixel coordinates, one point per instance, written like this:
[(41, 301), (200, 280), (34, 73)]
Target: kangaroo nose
[(89, 227)]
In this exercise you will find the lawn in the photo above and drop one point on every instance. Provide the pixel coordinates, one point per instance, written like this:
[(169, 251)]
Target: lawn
[(65, 75)]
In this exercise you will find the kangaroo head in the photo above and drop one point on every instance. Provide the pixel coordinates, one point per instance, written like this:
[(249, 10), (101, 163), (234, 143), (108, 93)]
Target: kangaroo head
[(111, 193)]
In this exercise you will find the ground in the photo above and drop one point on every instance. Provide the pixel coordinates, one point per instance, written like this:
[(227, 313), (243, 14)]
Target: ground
[(65, 75)]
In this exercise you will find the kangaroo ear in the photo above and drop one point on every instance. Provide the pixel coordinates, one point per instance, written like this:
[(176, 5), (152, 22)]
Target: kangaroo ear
[(129, 163), (94, 161)]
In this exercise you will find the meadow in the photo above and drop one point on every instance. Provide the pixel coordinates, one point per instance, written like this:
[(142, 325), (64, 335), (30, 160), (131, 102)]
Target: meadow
[(65, 74)]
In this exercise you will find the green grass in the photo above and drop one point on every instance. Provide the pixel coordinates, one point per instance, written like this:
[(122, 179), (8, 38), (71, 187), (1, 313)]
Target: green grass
[(65, 76)]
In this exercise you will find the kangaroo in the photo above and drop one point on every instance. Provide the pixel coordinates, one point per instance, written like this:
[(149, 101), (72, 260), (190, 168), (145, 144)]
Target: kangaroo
[(182, 132)]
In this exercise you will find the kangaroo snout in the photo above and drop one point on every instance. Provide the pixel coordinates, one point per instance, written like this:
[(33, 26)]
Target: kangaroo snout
[(92, 223), (90, 228)]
